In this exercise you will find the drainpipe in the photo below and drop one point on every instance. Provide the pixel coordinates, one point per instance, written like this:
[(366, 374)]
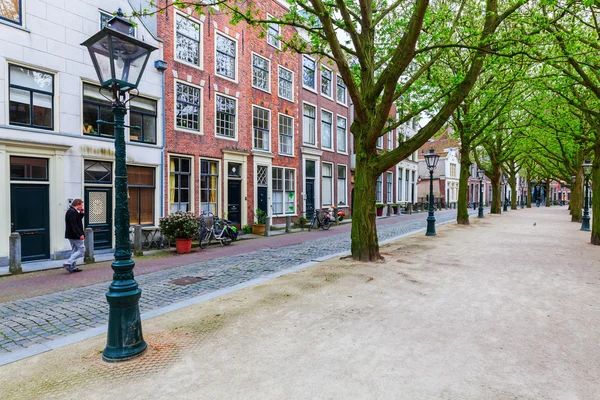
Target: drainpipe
[(162, 66)]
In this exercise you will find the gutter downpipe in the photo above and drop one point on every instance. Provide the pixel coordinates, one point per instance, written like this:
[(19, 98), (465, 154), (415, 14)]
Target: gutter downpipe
[(161, 65)]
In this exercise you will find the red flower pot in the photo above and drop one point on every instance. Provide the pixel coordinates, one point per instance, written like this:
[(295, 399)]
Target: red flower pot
[(395, 208), (379, 211), (183, 246)]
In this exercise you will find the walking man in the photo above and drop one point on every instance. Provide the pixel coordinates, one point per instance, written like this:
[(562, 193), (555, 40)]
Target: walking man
[(74, 232)]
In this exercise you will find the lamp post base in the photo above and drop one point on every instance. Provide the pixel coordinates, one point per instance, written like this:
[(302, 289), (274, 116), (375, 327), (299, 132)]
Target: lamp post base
[(124, 339), (585, 223), (480, 214), (430, 226)]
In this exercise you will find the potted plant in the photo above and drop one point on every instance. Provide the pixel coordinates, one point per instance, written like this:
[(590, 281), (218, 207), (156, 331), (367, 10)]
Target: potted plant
[(261, 220), (182, 226), (379, 207), (395, 208)]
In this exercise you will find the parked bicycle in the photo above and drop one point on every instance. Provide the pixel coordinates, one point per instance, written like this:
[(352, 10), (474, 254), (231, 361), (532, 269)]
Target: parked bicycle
[(222, 230), (320, 220)]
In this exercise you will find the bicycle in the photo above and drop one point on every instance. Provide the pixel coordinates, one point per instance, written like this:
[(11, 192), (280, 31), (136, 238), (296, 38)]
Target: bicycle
[(323, 223), (221, 230)]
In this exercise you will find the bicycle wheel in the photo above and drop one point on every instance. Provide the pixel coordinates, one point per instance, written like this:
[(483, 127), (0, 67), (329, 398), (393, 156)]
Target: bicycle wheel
[(326, 223), (206, 238)]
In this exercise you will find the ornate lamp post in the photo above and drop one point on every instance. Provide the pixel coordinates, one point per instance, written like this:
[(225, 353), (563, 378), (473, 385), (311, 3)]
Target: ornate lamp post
[(538, 195), (562, 193), (431, 159), (522, 184), (119, 60), (504, 181), (480, 175), (585, 220)]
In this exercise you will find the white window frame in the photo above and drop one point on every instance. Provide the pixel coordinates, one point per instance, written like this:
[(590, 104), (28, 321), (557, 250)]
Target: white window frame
[(285, 193), (379, 196), (200, 66), (237, 56), (312, 89), (390, 187), (268, 89), (278, 47), (55, 95), (345, 203), (379, 143), (316, 143), (323, 204), (219, 177), (191, 187), (200, 131), (279, 68), (390, 140), (331, 129), (345, 135), (237, 117), (279, 135), (331, 75), (345, 103), (270, 131)]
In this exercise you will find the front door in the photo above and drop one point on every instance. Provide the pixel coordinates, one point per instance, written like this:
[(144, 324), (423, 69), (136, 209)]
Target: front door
[(310, 198), (234, 201), (98, 215), (30, 217), (263, 202)]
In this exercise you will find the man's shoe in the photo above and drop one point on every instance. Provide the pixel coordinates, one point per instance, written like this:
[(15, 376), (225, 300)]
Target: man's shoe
[(75, 270)]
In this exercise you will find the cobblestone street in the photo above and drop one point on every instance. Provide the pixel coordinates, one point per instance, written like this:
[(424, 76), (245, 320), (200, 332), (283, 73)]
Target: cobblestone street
[(43, 318)]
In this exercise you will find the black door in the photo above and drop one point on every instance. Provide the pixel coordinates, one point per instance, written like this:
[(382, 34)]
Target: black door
[(98, 215), (30, 217), (310, 198), (262, 199), (234, 201)]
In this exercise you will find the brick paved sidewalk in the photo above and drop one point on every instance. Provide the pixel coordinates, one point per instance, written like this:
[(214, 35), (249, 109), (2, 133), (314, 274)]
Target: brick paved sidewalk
[(38, 320)]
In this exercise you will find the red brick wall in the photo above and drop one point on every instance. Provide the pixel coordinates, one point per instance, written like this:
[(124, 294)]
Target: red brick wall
[(208, 145)]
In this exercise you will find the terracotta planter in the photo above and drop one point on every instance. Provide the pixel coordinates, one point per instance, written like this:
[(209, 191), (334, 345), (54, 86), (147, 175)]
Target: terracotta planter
[(183, 246), (395, 209), (379, 211), (258, 229)]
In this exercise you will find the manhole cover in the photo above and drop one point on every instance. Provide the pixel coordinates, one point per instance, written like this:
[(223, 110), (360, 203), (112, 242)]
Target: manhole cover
[(187, 280)]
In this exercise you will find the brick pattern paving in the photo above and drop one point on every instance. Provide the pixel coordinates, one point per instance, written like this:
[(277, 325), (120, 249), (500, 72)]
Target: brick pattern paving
[(38, 319)]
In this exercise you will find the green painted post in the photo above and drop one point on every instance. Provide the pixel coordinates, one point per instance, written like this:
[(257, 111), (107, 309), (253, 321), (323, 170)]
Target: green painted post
[(124, 340)]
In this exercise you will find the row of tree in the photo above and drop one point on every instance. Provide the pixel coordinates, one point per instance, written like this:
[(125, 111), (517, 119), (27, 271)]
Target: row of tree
[(518, 79)]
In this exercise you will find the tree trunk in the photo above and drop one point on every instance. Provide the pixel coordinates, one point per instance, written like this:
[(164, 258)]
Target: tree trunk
[(513, 194), (496, 207), (577, 197), (462, 214), (595, 190), (365, 246)]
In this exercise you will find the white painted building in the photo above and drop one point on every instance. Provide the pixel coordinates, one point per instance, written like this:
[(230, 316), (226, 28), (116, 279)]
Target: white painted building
[(51, 147), (407, 170)]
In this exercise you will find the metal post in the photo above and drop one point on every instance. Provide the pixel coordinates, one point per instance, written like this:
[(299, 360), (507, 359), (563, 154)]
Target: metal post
[(268, 226), (505, 208), (585, 219), (88, 241), (336, 218), (431, 217), (137, 241), (480, 214), (124, 339), (288, 224), (14, 254)]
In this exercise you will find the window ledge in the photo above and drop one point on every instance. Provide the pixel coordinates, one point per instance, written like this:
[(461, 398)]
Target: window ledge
[(14, 25)]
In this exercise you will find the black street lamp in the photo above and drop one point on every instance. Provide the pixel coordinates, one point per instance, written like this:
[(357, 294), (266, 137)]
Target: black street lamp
[(585, 220), (522, 184), (120, 60), (431, 159), (505, 180), (538, 195), (480, 174)]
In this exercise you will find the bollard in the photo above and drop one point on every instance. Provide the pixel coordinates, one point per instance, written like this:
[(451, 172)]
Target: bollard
[(137, 241), (14, 257), (408, 209), (288, 224), (389, 210), (336, 219), (88, 242), (268, 226)]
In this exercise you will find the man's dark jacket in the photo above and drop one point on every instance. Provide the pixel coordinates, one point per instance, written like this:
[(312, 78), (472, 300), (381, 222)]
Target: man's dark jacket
[(73, 223)]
